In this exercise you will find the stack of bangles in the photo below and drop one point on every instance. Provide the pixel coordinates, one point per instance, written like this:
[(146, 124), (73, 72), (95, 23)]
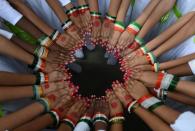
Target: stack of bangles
[(95, 15), (41, 78), (86, 119), (149, 102), (131, 106), (83, 8), (99, 117), (41, 52), (38, 64), (110, 18), (70, 122), (151, 58), (72, 12), (166, 82), (119, 26), (67, 24), (134, 28), (46, 104), (45, 41), (117, 119), (37, 92), (55, 116), (138, 42)]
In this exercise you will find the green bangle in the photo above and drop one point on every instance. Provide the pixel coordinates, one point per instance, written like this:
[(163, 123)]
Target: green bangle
[(86, 121), (68, 124), (173, 84), (38, 78), (53, 117), (45, 104), (71, 10), (100, 118), (111, 18), (153, 107), (139, 40), (35, 61)]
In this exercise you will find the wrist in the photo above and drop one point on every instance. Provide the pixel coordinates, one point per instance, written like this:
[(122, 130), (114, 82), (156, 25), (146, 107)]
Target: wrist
[(119, 26)]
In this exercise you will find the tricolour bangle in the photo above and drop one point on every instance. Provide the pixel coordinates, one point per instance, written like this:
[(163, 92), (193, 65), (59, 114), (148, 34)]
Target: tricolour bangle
[(117, 120), (162, 94), (37, 92), (174, 83), (119, 26), (40, 66), (110, 18), (69, 123), (45, 41), (41, 52), (144, 50), (156, 67), (134, 28), (35, 61), (83, 8), (73, 11), (44, 77), (95, 15), (45, 103), (149, 102), (55, 118), (166, 81), (99, 117), (151, 58), (67, 24), (55, 35), (139, 41), (131, 105), (86, 119), (159, 80)]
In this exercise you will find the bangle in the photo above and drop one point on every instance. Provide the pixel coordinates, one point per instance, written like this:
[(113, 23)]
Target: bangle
[(134, 28), (131, 106), (99, 117), (139, 41), (144, 49), (151, 58), (44, 77), (119, 26), (166, 81), (83, 8), (45, 103), (162, 94), (110, 18), (159, 80), (37, 92), (40, 66), (174, 83), (156, 67), (73, 11), (55, 35), (67, 24), (55, 117), (86, 119), (38, 78), (117, 120), (69, 123), (45, 41), (35, 61), (41, 52), (96, 15), (149, 102)]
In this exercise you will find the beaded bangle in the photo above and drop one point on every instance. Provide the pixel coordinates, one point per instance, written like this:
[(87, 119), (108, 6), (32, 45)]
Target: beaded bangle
[(110, 18), (55, 35), (96, 15), (139, 41), (99, 117), (69, 123), (134, 28), (45, 103), (73, 11), (117, 120), (149, 102), (35, 61), (119, 26), (86, 119), (151, 58), (55, 117), (67, 24), (144, 49), (130, 107), (156, 67), (37, 92), (45, 41), (41, 52), (83, 8)]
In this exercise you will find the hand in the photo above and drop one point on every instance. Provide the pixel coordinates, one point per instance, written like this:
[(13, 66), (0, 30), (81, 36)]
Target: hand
[(74, 32), (125, 40), (76, 19), (114, 39), (107, 27), (114, 103), (96, 29), (101, 106), (85, 18), (136, 88)]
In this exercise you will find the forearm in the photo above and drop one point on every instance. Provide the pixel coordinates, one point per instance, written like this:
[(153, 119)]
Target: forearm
[(20, 117), (15, 51), (181, 70), (116, 127), (14, 93), (30, 15), (169, 32), (55, 5), (13, 79), (93, 5), (40, 122), (81, 2), (183, 34), (100, 126), (123, 10), (147, 12), (181, 98), (156, 16), (151, 120), (186, 87), (114, 7)]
